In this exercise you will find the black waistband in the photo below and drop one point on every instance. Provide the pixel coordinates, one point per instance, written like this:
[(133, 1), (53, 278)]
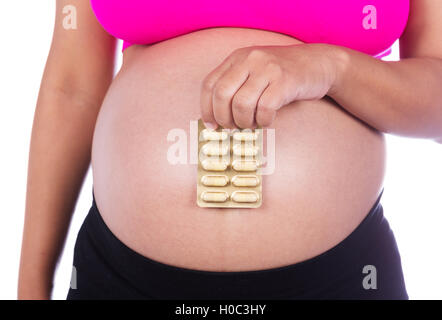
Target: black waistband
[(341, 264)]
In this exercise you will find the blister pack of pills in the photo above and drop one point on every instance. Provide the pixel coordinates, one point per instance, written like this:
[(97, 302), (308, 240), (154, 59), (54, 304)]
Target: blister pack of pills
[(229, 173)]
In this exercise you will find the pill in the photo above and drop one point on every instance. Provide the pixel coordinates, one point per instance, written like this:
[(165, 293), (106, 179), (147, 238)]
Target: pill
[(245, 165), (245, 136), (245, 196), (212, 135), (215, 149), (214, 196), (215, 181), (214, 164), (245, 181), (245, 150)]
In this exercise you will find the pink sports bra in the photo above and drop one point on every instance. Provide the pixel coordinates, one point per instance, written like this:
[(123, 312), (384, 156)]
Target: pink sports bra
[(369, 26)]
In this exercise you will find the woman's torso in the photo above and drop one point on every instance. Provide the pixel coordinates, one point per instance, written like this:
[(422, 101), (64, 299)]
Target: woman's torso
[(329, 166)]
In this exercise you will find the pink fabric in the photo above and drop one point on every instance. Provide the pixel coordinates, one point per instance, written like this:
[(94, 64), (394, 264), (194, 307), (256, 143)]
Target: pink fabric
[(346, 23)]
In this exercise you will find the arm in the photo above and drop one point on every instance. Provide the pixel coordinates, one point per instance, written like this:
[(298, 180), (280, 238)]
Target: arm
[(78, 72), (402, 97), (397, 97)]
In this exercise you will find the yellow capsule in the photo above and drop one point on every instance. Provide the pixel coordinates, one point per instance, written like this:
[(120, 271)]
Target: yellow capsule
[(245, 136), (245, 181), (245, 165), (214, 196), (212, 135), (245, 150), (245, 196), (215, 149), (215, 181), (214, 164)]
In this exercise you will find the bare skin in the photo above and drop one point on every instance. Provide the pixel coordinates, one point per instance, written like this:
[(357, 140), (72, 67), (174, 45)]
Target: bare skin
[(330, 163), (328, 166), (72, 89)]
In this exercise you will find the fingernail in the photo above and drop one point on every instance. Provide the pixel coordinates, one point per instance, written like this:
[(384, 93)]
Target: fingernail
[(210, 125)]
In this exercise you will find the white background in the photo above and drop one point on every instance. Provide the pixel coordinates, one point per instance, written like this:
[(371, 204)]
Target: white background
[(413, 186)]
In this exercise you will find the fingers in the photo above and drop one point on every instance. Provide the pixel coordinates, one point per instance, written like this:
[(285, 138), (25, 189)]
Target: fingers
[(223, 93), (208, 86), (245, 101), (242, 93), (268, 104), (241, 100)]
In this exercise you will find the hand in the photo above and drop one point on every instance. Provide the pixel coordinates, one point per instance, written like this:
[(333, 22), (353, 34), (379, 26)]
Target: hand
[(34, 283), (33, 292), (252, 83)]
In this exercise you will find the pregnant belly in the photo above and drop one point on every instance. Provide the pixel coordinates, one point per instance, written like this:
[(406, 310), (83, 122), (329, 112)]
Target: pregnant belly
[(328, 169)]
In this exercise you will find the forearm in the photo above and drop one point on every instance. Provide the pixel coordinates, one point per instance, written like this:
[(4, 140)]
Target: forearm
[(402, 97), (59, 159)]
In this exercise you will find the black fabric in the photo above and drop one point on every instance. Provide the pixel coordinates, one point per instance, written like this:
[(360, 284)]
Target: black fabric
[(107, 269)]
